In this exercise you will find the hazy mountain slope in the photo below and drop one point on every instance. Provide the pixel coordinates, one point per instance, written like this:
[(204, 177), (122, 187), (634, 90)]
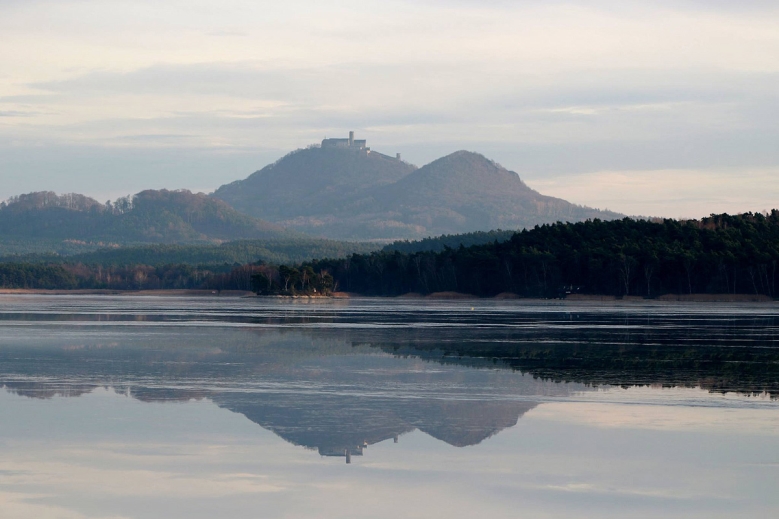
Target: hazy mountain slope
[(465, 192), (170, 216), (46, 216), (314, 182), (346, 194), (150, 217)]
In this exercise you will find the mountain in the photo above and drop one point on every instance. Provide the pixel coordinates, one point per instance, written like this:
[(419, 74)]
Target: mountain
[(148, 217), (355, 193), (374, 396), (315, 189), (466, 192)]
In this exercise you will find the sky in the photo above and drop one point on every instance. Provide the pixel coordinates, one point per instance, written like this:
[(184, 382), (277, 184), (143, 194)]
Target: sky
[(661, 108)]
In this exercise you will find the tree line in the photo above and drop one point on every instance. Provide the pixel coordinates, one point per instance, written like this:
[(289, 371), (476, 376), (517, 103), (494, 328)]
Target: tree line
[(721, 254), (718, 254), (134, 277), (257, 277), (452, 241)]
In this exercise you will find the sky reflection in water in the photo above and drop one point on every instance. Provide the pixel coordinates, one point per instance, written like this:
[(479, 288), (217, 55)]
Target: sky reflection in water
[(152, 408)]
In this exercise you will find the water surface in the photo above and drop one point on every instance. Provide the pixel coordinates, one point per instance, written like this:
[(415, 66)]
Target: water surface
[(150, 407)]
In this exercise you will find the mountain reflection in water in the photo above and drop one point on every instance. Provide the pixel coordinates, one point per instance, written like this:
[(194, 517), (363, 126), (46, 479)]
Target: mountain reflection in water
[(338, 380), (328, 396)]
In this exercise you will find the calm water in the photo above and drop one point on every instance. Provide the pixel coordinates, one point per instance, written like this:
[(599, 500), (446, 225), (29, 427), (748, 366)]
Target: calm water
[(132, 407)]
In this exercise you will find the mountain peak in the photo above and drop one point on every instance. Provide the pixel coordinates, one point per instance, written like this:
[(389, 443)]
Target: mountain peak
[(468, 159), (345, 190), (313, 181), (468, 155)]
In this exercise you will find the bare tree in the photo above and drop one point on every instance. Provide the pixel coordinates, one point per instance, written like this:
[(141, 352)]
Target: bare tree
[(649, 269), (626, 264)]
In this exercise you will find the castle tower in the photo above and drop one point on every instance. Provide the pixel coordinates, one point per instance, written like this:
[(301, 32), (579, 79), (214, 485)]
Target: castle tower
[(351, 139)]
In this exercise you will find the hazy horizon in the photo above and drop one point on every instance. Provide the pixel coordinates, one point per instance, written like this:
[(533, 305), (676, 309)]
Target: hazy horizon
[(652, 108)]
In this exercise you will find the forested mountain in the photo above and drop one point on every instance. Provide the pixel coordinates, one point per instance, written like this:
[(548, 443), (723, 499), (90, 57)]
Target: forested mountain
[(359, 194), (148, 217)]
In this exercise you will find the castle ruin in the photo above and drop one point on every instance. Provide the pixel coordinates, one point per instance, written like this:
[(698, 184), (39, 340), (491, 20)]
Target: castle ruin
[(350, 143), (354, 144)]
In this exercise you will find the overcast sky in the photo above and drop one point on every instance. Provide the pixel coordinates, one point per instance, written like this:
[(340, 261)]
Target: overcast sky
[(667, 108)]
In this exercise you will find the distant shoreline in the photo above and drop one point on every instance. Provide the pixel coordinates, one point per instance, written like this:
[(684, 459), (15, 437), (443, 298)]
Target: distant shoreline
[(436, 296), (112, 292)]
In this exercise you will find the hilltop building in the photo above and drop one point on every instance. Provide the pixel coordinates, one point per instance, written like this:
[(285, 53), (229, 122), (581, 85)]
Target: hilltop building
[(351, 143)]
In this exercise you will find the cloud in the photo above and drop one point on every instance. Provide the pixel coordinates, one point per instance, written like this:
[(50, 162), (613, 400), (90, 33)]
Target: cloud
[(693, 193), (16, 113), (546, 109), (549, 89)]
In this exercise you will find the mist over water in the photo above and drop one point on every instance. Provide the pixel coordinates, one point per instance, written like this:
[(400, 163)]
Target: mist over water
[(202, 407)]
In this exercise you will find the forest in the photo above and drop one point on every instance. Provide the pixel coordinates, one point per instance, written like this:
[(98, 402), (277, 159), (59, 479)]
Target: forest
[(134, 277), (257, 277), (721, 254), (277, 251), (452, 241)]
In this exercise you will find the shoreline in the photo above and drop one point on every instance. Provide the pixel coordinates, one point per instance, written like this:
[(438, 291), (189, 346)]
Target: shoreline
[(436, 296), (111, 292)]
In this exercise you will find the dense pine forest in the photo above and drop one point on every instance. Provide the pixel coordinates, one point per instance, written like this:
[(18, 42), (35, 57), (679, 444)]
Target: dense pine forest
[(452, 241), (721, 254)]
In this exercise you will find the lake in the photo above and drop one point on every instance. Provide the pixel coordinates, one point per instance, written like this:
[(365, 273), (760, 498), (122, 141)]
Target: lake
[(166, 407)]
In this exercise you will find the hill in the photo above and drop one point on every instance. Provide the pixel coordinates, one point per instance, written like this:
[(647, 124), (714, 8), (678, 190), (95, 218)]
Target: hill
[(43, 221), (360, 194), (465, 192), (319, 190)]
